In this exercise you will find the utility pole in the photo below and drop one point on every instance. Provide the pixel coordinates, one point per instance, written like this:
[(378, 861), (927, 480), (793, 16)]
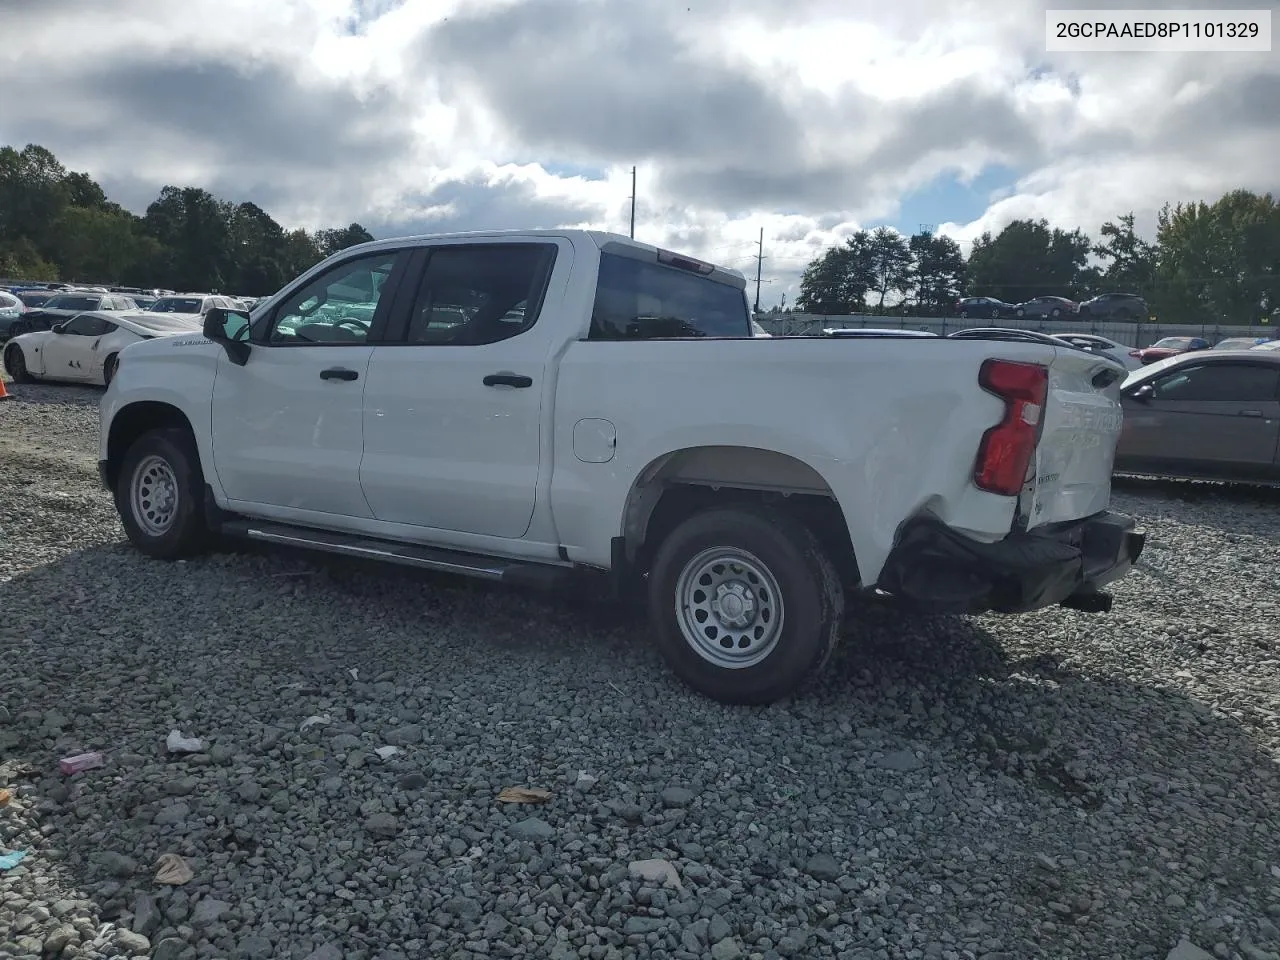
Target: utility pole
[(633, 203), (759, 267)]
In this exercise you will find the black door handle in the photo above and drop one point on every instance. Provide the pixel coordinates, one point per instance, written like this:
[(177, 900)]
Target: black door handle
[(508, 380), (339, 373)]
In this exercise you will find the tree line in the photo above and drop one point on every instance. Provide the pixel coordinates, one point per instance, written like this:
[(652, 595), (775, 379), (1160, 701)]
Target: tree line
[(57, 224), (1209, 263)]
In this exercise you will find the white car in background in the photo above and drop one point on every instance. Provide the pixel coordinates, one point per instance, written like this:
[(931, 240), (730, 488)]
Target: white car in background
[(1103, 347), (192, 305), (86, 348)]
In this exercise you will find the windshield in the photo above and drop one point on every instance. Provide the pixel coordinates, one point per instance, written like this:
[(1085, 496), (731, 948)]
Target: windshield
[(67, 302), (175, 305)]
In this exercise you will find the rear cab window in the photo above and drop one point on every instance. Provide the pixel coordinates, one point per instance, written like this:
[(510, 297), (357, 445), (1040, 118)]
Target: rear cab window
[(639, 299)]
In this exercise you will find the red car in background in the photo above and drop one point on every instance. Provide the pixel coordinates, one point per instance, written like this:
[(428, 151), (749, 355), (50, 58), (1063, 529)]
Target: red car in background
[(1169, 347)]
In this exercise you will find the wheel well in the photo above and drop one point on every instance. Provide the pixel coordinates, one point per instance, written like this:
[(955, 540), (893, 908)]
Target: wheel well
[(132, 422), (677, 486)]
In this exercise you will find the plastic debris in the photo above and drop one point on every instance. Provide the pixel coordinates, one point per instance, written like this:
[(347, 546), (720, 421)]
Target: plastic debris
[(524, 795), (386, 753), (355, 674), (5, 797), (311, 721), (177, 743), (173, 870), (81, 761), (11, 859)]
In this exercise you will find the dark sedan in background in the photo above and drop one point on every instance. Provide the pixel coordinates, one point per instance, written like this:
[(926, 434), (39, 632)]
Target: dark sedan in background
[(1041, 307), (1210, 415), (64, 306)]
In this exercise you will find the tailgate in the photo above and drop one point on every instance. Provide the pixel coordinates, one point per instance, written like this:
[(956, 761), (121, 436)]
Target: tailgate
[(1082, 421)]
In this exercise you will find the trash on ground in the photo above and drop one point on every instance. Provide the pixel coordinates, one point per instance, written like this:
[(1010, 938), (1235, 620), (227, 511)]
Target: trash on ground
[(11, 859), (5, 797), (355, 674), (312, 720), (524, 795), (81, 761), (173, 870), (386, 753), (177, 743)]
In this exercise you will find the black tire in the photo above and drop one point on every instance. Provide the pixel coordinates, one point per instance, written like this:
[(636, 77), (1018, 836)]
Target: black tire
[(808, 594), (995, 314), (186, 534), (16, 364), (1019, 312), (109, 368)]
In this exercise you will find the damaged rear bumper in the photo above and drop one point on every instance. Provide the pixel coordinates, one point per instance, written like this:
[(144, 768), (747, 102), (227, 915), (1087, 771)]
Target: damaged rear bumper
[(935, 567)]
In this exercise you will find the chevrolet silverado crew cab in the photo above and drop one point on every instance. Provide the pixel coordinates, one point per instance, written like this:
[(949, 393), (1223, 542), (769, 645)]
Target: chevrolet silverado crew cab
[(531, 407)]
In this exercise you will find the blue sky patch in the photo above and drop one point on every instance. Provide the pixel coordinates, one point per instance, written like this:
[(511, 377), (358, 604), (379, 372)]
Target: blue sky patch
[(947, 199)]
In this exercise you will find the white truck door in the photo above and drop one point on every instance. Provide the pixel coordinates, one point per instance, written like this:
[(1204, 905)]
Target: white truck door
[(288, 425), (453, 403)]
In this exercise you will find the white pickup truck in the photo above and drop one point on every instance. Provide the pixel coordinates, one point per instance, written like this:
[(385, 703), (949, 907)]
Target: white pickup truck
[(529, 407)]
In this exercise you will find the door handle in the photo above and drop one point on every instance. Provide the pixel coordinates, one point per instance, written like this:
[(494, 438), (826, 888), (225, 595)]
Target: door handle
[(1250, 413), (508, 380), (339, 373)]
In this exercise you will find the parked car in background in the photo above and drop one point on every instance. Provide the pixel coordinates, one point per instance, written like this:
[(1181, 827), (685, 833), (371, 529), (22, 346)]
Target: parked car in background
[(11, 308), (34, 298), (1241, 343), (848, 332), (86, 348), (1210, 415), (1168, 347), (192, 304), (546, 406), (1123, 307), (1269, 345), (64, 306), (1046, 307), (1126, 356), (988, 307)]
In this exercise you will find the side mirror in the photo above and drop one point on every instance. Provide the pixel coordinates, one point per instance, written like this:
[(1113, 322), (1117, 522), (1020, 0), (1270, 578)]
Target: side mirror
[(230, 328), (58, 327), (1144, 393)]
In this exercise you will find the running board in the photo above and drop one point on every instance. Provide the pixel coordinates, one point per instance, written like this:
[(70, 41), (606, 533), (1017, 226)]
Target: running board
[(498, 570)]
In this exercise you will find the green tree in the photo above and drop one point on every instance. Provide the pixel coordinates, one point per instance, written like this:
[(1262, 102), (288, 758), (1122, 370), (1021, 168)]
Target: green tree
[(1219, 262), (192, 225), (890, 263), (330, 242), (32, 198), (1129, 262), (1028, 259), (837, 282), (938, 273)]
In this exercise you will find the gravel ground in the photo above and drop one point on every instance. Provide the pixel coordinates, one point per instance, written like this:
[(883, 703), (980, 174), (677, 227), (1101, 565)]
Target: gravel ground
[(1057, 785)]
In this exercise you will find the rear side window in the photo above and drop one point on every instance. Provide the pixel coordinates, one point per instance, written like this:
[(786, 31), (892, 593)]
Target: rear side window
[(644, 301)]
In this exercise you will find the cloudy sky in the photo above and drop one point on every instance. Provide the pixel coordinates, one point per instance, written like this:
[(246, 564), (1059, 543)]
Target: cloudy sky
[(807, 118)]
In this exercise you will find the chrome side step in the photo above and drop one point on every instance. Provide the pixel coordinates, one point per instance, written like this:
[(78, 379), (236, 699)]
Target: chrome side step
[(405, 554)]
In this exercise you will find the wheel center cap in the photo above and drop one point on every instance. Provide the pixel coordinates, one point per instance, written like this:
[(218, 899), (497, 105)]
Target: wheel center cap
[(734, 604)]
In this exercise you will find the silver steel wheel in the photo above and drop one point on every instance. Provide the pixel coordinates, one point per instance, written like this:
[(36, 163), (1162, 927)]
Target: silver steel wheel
[(153, 496), (729, 607)]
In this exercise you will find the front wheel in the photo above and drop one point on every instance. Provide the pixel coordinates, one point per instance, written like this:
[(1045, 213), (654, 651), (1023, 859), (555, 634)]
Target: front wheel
[(16, 364), (109, 369), (745, 603), (159, 495)]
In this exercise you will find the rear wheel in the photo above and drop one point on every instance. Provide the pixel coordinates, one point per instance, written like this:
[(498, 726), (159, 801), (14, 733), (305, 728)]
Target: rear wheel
[(159, 495), (16, 364), (745, 603), (109, 369)]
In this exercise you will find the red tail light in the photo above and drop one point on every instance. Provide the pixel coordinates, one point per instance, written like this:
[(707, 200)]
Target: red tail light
[(1007, 448)]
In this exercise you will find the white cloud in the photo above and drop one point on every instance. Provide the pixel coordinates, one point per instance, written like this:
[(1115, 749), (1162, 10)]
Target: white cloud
[(809, 118)]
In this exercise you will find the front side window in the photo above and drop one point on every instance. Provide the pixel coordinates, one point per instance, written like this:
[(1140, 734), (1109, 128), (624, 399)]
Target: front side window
[(336, 307), (476, 294), (638, 300), (1220, 383)]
